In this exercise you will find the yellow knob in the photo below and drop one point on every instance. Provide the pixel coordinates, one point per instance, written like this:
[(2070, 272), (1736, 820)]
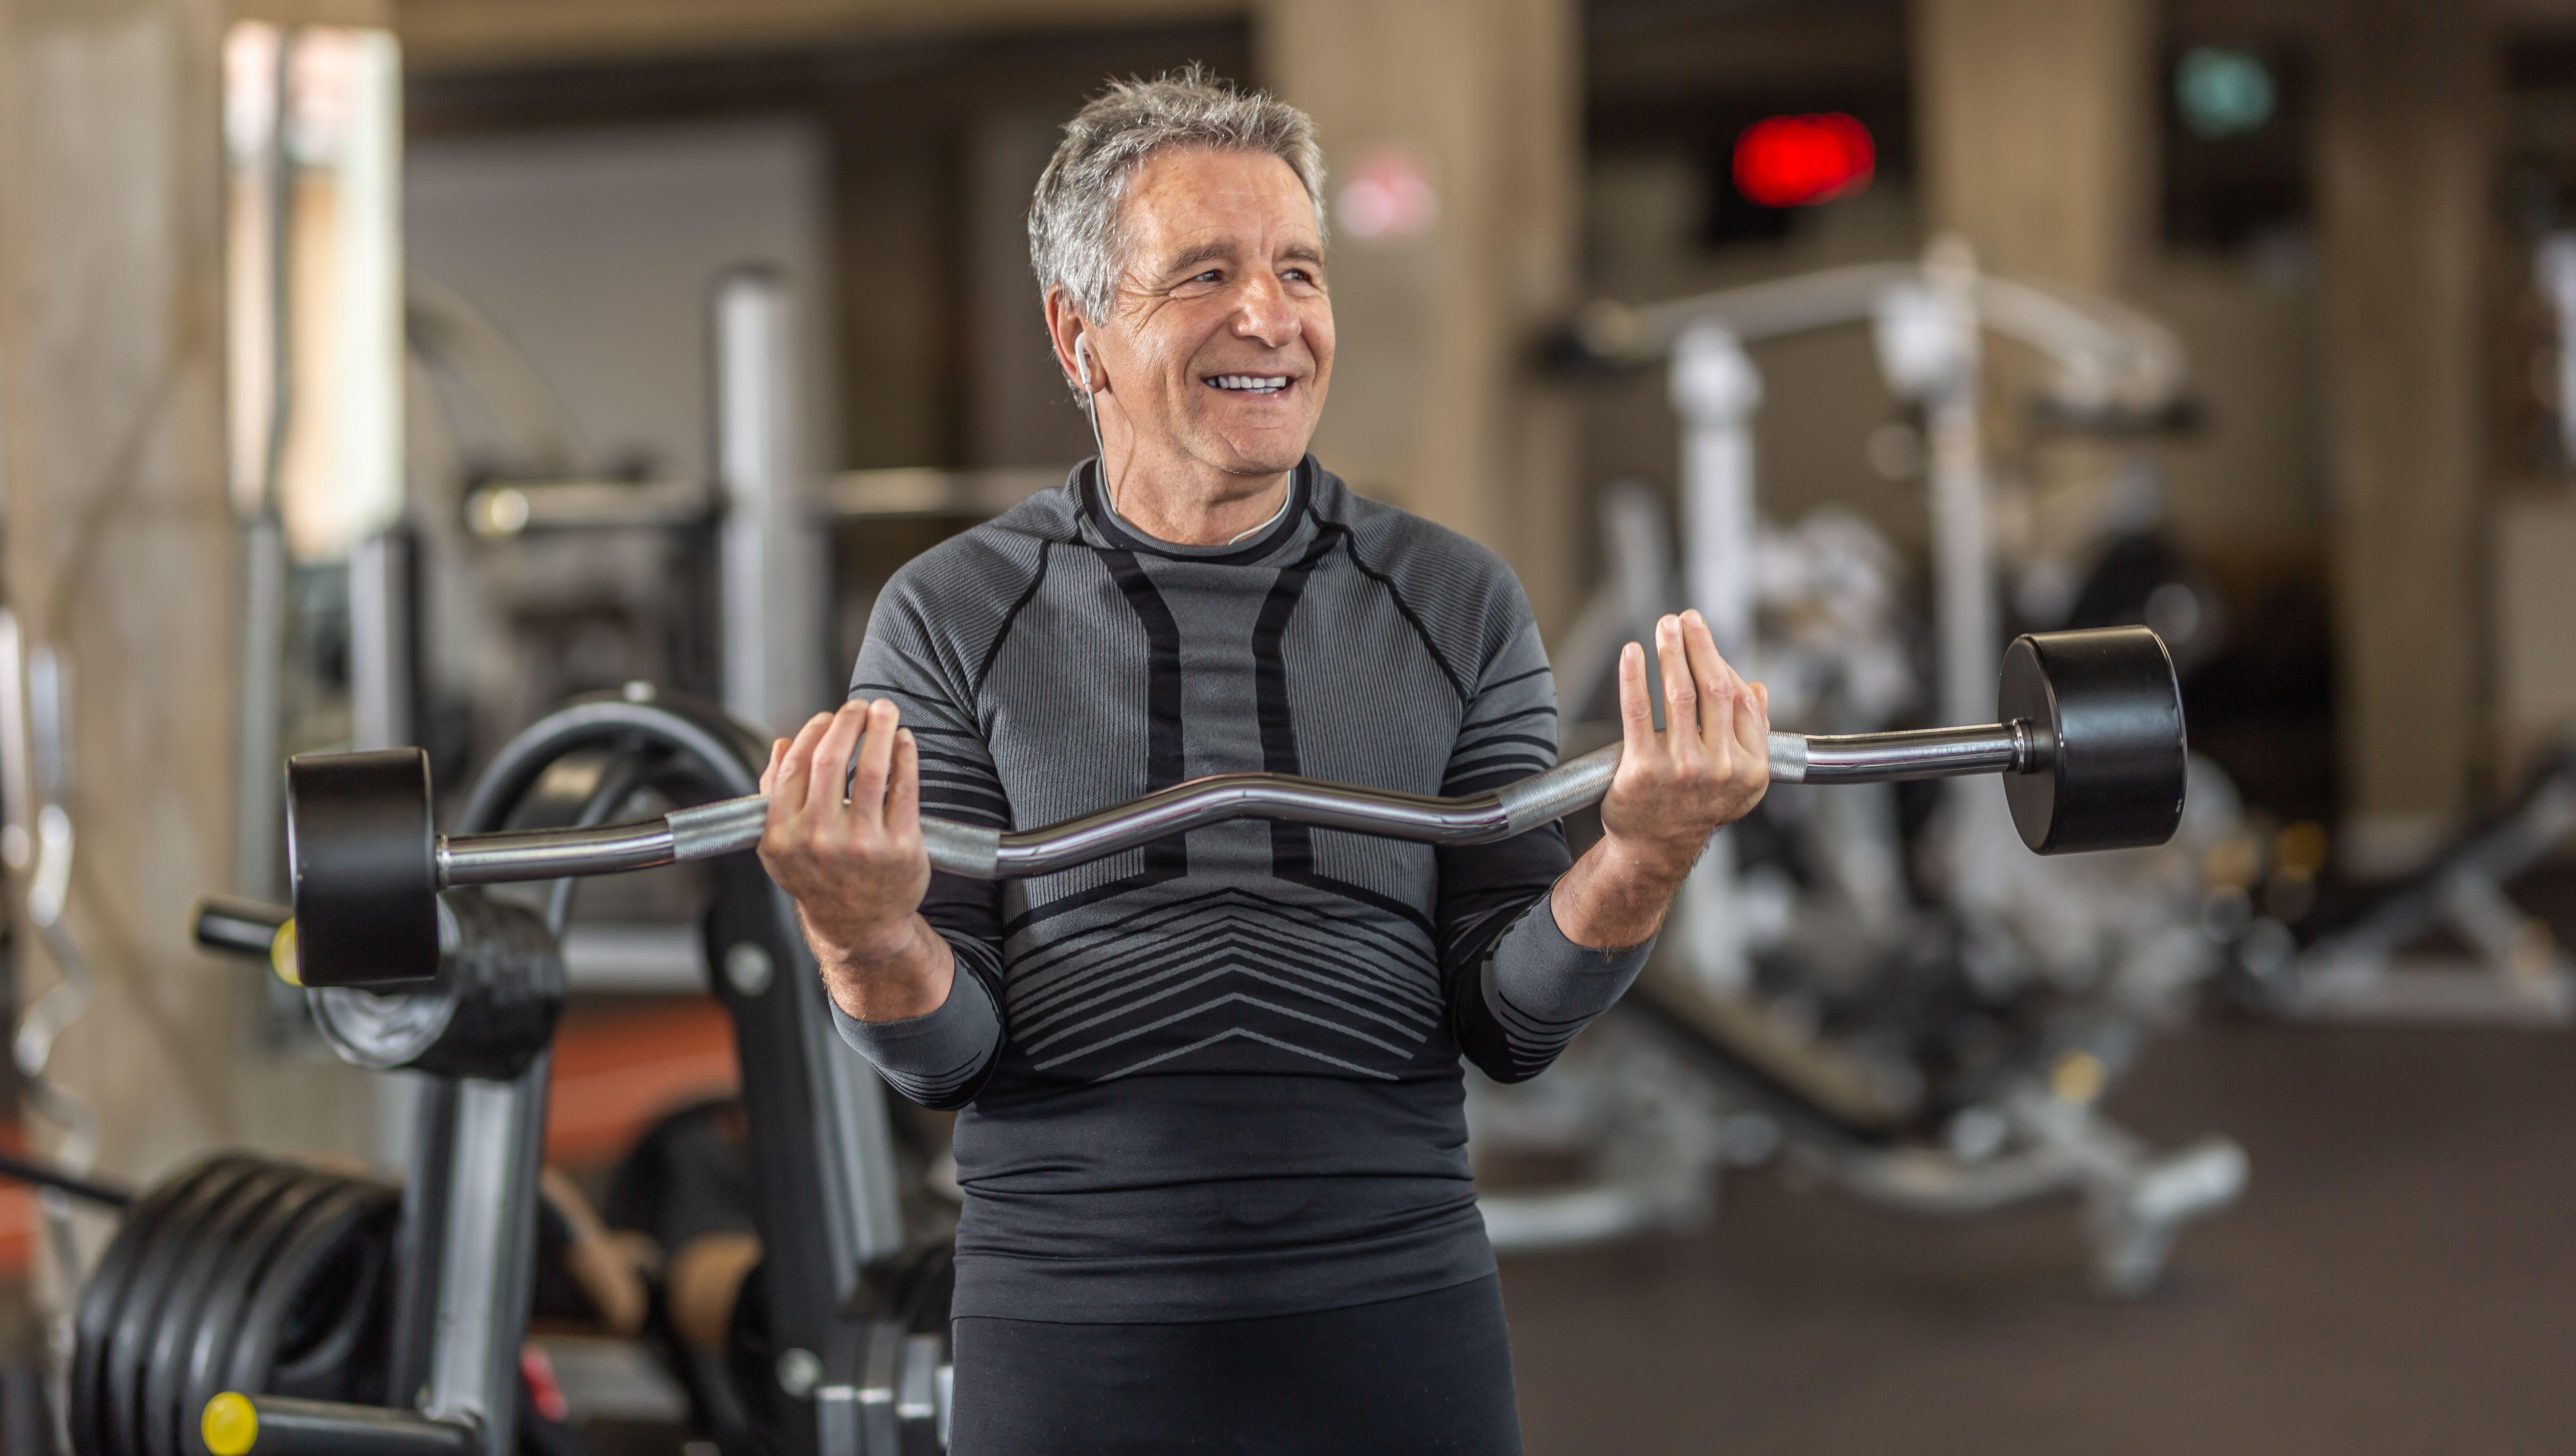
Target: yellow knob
[(281, 959), (2078, 1077), (230, 1425)]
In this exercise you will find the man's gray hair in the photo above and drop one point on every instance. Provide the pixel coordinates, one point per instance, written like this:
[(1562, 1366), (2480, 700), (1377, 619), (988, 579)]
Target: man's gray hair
[(1074, 240)]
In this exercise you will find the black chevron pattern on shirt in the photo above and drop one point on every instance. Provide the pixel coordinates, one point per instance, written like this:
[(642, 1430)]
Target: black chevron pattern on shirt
[(1342, 984)]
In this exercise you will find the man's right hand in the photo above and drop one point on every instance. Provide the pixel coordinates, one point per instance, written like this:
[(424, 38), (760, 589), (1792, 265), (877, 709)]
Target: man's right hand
[(843, 839)]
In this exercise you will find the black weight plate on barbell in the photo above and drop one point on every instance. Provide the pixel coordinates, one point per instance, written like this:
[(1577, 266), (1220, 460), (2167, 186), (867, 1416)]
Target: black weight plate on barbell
[(170, 1271), (2114, 771), (103, 1296), (94, 1307), (305, 1323), (190, 1338), (234, 1346), (363, 853), (199, 1291)]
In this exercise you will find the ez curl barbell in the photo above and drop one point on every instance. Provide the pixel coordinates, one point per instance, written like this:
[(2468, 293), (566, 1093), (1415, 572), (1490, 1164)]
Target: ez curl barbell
[(2091, 749)]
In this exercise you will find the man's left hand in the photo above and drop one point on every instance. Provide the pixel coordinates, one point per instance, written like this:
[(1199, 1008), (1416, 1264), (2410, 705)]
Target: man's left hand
[(1706, 769)]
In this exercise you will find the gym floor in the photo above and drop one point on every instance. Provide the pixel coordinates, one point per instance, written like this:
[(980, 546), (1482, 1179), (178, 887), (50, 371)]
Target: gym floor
[(2400, 1277)]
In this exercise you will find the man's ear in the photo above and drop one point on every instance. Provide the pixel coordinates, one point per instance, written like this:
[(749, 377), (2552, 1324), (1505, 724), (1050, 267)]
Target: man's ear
[(1070, 336)]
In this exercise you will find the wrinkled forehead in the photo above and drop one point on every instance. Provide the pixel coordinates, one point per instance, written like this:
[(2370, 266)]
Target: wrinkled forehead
[(1192, 200)]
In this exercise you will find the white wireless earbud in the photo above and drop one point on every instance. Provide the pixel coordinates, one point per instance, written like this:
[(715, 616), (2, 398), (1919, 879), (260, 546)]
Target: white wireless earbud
[(1091, 412)]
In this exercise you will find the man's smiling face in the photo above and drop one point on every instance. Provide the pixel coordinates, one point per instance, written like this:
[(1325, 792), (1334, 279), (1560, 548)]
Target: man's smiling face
[(1220, 345)]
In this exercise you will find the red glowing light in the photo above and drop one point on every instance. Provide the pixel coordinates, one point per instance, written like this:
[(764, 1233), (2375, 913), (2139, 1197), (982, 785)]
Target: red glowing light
[(1799, 161)]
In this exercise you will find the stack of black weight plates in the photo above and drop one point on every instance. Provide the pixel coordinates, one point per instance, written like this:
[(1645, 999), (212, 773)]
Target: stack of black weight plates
[(238, 1274)]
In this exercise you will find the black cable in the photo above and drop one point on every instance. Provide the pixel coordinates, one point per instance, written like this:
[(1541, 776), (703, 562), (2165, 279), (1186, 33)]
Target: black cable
[(105, 1194)]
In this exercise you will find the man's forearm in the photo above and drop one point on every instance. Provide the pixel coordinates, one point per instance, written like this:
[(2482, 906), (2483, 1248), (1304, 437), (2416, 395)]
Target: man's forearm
[(911, 978), (928, 1026), (1617, 894)]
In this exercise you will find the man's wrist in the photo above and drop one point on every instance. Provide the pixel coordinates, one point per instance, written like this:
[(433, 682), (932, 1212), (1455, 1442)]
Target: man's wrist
[(908, 975), (1652, 864), (1616, 896), (862, 953)]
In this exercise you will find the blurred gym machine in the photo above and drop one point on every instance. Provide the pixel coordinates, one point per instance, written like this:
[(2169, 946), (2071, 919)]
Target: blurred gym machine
[(37, 848), (2113, 370), (345, 1287), (251, 1306), (756, 535), (761, 566), (1769, 991), (2368, 958), (2554, 269), (375, 1316), (2355, 964)]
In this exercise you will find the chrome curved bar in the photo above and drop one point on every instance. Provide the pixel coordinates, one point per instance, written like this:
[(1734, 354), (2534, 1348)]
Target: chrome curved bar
[(732, 825), (546, 854), (1281, 797), (1931, 753)]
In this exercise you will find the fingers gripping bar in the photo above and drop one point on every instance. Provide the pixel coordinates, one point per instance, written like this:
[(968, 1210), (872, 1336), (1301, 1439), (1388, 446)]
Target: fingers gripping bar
[(2091, 747)]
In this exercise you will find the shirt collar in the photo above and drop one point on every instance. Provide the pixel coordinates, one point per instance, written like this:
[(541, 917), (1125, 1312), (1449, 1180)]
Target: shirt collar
[(1117, 531)]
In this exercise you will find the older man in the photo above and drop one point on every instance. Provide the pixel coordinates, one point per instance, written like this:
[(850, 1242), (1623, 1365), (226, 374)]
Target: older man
[(1210, 1136)]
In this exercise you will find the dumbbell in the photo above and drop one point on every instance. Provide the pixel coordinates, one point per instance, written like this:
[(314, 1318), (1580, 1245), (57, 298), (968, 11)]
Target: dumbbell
[(2091, 749)]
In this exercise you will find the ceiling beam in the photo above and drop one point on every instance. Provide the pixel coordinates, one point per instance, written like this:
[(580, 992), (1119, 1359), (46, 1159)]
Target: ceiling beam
[(460, 34)]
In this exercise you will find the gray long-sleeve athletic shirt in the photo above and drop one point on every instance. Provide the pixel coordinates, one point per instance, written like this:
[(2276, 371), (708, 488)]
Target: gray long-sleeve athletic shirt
[(1218, 1076)]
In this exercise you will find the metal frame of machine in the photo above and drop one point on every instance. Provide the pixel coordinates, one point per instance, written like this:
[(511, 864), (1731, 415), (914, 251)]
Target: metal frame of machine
[(843, 1289), (2112, 365)]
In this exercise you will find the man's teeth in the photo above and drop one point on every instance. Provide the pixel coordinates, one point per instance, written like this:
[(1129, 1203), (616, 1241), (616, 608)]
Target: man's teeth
[(1258, 383)]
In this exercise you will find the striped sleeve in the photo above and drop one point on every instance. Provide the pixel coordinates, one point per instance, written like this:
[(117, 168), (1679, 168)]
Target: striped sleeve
[(1538, 989), (941, 1059)]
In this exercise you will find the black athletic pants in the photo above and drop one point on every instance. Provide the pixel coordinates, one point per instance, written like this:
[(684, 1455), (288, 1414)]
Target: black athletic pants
[(1429, 1373)]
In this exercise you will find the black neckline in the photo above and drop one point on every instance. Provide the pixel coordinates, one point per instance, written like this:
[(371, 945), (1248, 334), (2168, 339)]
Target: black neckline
[(1095, 506)]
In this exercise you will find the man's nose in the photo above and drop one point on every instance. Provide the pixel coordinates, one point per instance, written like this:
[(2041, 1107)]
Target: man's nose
[(1265, 312)]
